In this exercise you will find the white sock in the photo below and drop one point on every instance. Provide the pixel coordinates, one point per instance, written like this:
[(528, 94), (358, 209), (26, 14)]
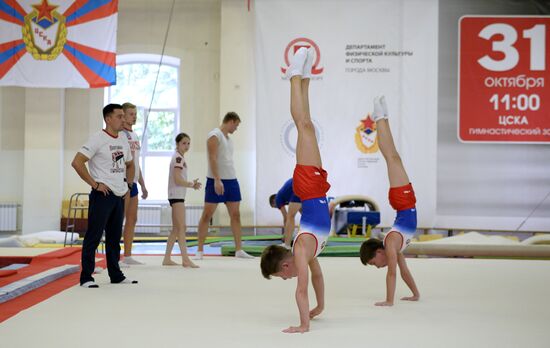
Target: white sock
[(198, 255), (378, 111), (90, 285), (309, 63), (241, 254), (384, 106), (297, 63)]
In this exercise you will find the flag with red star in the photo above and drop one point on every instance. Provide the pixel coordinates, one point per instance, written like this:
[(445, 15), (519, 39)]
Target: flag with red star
[(58, 43)]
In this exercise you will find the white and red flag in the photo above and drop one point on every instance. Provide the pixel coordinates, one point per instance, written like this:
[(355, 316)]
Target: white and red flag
[(58, 43)]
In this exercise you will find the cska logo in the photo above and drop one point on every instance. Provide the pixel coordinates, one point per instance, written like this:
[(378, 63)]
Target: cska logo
[(44, 32), (365, 136)]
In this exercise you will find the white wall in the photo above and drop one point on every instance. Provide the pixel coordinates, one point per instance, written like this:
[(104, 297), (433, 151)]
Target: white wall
[(12, 143)]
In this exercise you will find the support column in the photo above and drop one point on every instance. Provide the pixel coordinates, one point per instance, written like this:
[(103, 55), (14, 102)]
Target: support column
[(43, 162), (237, 93)]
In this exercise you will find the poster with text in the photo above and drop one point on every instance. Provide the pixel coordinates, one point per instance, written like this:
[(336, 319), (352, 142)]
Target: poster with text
[(504, 92)]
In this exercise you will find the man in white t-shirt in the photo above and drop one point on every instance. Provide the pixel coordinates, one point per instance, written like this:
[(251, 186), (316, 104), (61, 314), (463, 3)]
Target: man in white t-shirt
[(131, 200), (221, 183), (111, 173)]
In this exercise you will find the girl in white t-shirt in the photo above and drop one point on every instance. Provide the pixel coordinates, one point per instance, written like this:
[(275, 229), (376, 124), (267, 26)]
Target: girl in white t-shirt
[(177, 188)]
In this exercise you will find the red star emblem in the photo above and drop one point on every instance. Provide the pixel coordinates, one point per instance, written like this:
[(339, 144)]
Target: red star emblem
[(44, 10), (368, 123)]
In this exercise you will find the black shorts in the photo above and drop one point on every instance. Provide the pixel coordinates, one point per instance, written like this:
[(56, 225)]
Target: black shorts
[(176, 200)]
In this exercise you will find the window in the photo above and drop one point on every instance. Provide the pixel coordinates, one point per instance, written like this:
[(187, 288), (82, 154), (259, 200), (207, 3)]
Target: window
[(136, 75)]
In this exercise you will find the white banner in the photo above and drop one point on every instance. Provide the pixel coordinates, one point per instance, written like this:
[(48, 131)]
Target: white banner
[(363, 49), (58, 43)]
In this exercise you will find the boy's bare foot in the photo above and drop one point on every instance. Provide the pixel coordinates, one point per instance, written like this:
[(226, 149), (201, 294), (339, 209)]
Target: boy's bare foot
[(189, 264), (169, 262)]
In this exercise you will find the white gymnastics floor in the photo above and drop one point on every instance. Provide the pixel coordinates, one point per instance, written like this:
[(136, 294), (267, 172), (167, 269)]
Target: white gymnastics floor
[(465, 303)]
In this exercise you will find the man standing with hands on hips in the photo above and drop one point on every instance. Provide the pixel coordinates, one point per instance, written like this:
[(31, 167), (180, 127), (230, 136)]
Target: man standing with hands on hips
[(111, 174)]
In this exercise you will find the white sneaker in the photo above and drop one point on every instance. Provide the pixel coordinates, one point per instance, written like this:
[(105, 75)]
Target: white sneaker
[(241, 254), (378, 112), (297, 62), (90, 285), (131, 261), (309, 63), (126, 281), (198, 255)]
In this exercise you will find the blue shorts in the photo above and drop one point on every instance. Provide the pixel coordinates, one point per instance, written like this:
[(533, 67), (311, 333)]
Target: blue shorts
[(315, 216), (134, 191), (405, 221), (232, 191)]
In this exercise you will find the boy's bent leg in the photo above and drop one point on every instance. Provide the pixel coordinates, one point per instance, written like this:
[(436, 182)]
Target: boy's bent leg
[(113, 232)]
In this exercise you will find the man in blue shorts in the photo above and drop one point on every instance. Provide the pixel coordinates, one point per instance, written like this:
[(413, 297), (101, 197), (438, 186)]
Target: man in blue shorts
[(221, 184), (285, 196)]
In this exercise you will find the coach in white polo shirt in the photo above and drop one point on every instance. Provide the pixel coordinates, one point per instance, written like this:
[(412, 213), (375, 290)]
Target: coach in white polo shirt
[(221, 183), (111, 173)]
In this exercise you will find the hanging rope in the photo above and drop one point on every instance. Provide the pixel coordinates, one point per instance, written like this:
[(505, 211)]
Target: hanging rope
[(146, 116), (532, 211)]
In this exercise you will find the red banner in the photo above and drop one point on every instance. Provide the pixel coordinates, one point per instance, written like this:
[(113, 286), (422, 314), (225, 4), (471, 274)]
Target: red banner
[(504, 92)]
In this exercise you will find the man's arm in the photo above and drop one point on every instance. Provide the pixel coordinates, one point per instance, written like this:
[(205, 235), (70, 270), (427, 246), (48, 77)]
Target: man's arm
[(407, 278), (318, 287), (212, 147), (283, 213), (141, 181), (130, 175), (130, 172), (79, 165)]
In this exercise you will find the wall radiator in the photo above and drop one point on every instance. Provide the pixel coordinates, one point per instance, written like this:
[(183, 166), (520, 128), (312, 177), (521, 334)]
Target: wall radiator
[(192, 216), (8, 217), (157, 218), (149, 219)]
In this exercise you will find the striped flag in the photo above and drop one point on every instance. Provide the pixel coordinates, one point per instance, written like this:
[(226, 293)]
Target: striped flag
[(58, 43)]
